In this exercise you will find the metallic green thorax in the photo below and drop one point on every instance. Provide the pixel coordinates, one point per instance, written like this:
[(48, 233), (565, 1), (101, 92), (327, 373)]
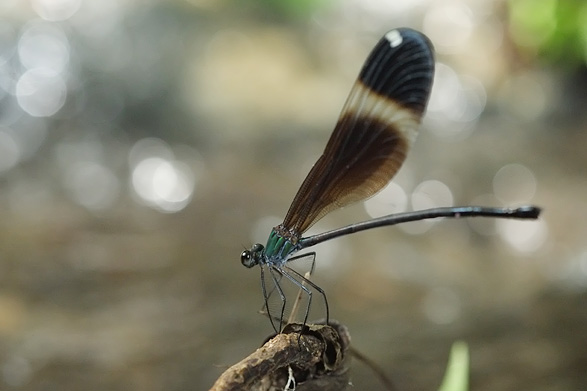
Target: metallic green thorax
[(280, 245)]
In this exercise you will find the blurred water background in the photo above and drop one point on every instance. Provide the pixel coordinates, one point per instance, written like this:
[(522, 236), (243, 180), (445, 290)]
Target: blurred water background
[(145, 144)]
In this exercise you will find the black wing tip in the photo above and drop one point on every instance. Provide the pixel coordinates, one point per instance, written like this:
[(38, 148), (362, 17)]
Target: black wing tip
[(401, 68), (409, 36)]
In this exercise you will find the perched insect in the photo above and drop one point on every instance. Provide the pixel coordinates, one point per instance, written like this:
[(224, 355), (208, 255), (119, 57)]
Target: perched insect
[(370, 141)]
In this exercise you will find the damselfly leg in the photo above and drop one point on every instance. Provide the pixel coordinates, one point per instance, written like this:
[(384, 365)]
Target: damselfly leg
[(278, 291)]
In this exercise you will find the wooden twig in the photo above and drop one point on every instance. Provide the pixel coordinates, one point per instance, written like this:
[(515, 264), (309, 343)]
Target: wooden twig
[(305, 358)]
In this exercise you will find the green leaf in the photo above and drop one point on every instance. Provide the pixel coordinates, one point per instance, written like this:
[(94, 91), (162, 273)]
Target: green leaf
[(456, 377)]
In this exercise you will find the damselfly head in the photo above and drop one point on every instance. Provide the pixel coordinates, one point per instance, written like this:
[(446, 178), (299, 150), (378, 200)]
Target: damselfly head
[(250, 258)]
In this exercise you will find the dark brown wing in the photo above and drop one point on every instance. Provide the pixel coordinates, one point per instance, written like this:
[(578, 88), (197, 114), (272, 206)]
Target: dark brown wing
[(377, 126)]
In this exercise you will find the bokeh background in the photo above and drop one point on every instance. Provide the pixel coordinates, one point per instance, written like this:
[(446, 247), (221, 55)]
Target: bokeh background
[(145, 144)]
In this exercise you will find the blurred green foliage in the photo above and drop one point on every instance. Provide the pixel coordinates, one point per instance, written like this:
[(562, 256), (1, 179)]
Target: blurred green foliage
[(555, 30), (456, 377), (283, 9)]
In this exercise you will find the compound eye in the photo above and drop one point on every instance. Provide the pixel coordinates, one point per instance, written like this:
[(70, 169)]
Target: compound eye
[(246, 258)]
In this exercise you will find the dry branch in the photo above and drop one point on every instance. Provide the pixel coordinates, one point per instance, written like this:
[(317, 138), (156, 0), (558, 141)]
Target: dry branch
[(304, 358)]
